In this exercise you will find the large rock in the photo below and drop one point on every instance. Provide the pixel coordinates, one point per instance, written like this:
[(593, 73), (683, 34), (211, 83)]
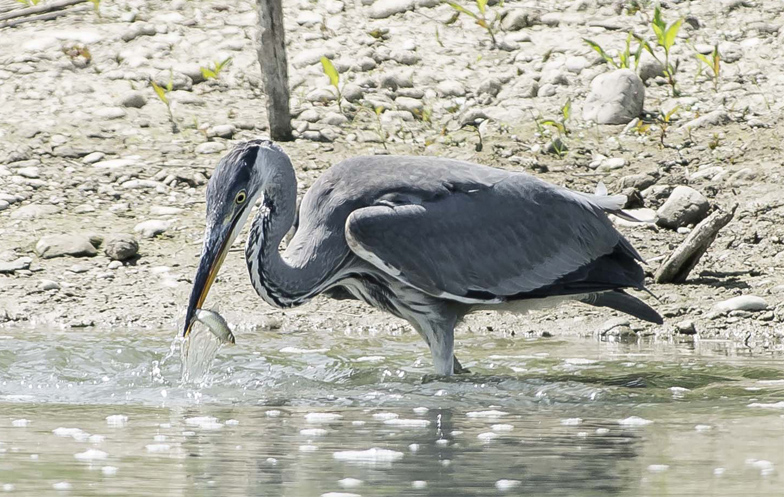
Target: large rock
[(387, 8), (121, 247), (31, 211), (65, 244), (684, 206), (615, 98), (744, 302)]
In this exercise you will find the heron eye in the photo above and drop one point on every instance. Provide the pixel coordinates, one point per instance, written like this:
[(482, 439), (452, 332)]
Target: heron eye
[(241, 196)]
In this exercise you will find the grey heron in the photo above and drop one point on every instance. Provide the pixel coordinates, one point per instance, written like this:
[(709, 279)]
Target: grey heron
[(426, 239)]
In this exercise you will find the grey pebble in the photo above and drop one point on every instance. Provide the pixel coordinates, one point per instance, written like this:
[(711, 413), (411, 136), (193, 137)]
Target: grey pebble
[(121, 247), (65, 244), (615, 98), (684, 206)]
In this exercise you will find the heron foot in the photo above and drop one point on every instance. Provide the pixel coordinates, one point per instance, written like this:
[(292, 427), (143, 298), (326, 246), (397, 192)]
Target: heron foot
[(458, 367)]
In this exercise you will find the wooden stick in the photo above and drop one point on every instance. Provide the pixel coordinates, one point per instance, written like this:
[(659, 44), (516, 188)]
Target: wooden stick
[(43, 17), (41, 8), (274, 67), (677, 266)]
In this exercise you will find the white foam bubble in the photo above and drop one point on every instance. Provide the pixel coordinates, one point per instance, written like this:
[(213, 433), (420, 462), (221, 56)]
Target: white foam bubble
[(420, 410), (442, 442), (322, 417), (581, 362), (109, 470), (8, 487), (371, 358), (504, 484), (339, 494), (501, 427), (413, 447), (157, 448), (91, 455), (96, 439), (776, 405), (385, 415), (308, 448), (658, 468), (204, 422), (76, 433), (231, 422), (20, 423), (160, 438), (703, 427), (116, 420), (634, 421), (313, 432), (373, 455), (571, 421), (61, 486), (419, 484), (303, 350), (350, 483), (486, 414), (487, 436), (410, 423), (273, 413)]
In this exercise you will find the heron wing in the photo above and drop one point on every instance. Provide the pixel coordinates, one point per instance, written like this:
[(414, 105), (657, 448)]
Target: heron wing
[(515, 238)]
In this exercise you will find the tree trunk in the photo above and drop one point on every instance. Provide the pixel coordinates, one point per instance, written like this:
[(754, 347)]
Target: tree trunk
[(274, 67)]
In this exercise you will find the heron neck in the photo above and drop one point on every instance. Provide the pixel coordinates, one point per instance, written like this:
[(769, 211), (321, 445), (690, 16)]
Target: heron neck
[(279, 282)]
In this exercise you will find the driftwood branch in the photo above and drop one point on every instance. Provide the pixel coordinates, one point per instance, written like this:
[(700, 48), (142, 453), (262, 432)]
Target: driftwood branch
[(43, 17), (274, 67), (39, 9), (677, 266)]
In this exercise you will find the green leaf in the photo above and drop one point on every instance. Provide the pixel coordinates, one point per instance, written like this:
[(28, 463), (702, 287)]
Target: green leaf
[(481, 4), (671, 114), (461, 9), (566, 110), (208, 74), (220, 65), (161, 93), (438, 38), (704, 59), (330, 71), (671, 33), (600, 51)]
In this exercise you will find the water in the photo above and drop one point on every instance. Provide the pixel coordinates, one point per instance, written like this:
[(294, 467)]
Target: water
[(312, 413)]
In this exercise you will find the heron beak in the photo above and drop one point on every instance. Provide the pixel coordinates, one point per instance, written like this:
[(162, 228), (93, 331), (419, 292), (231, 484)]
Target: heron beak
[(214, 251)]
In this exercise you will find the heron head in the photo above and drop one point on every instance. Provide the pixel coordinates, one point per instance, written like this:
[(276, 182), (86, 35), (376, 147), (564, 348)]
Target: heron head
[(234, 187)]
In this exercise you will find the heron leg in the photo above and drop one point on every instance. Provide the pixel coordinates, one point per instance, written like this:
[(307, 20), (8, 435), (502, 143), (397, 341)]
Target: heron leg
[(440, 337)]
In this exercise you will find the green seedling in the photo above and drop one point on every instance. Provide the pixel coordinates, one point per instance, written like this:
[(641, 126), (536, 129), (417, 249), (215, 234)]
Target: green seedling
[(214, 72), (334, 78), (624, 58), (634, 6), (163, 95), (713, 63), (96, 7), (481, 18), (560, 127), (714, 142), (665, 38), (664, 121)]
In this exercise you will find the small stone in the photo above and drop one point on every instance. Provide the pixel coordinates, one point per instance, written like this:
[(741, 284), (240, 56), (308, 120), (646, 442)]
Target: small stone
[(617, 326), (65, 244), (414, 106), (394, 81), (615, 98), (684, 206), (714, 118), (151, 228), (133, 99), (309, 115), (178, 80), (22, 263), (353, 92), (335, 119), (93, 157), (516, 19), (649, 67), (322, 95), (210, 148), (748, 303), (121, 247), (222, 131), (473, 116), (110, 113), (686, 327), (490, 86), (47, 285), (115, 264), (451, 88), (388, 8)]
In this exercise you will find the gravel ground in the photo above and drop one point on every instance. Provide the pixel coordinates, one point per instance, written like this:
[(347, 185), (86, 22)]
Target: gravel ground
[(87, 150)]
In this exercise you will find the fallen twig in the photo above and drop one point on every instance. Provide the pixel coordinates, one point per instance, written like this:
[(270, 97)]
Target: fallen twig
[(677, 266), (43, 17), (41, 8)]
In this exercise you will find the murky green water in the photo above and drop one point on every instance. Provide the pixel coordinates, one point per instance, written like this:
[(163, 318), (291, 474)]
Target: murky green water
[(96, 413)]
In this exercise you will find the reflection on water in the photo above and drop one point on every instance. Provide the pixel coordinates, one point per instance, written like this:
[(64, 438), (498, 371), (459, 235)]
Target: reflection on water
[(98, 414)]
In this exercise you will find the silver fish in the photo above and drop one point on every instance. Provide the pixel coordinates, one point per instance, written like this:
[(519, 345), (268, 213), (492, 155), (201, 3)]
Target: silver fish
[(216, 324)]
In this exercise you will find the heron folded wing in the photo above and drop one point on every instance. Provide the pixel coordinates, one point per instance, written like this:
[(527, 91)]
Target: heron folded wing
[(484, 246)]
